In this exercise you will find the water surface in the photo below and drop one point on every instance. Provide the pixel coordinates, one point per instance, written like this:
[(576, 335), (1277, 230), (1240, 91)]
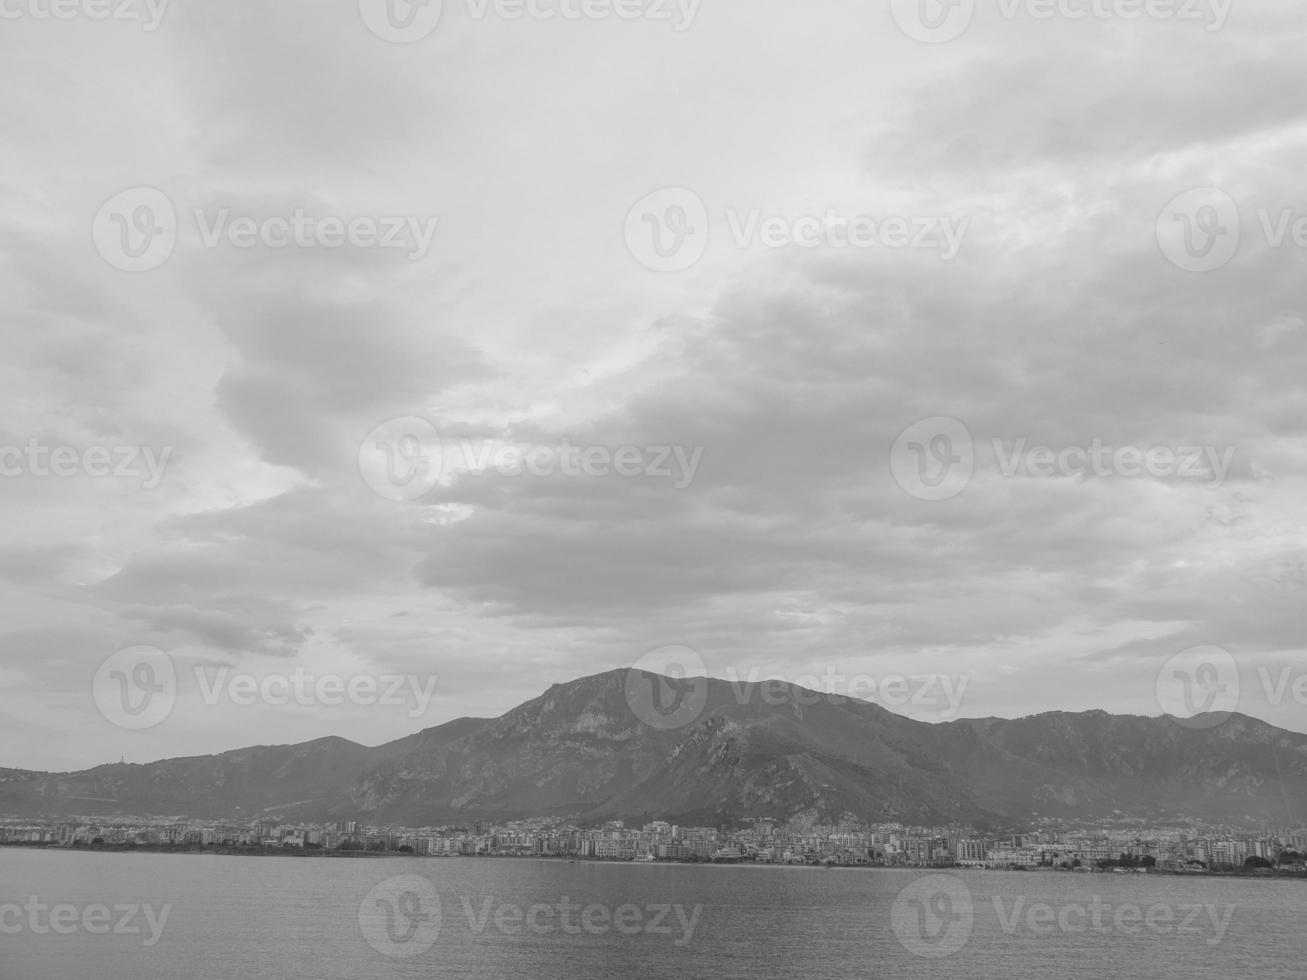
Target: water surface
[(244, 918)]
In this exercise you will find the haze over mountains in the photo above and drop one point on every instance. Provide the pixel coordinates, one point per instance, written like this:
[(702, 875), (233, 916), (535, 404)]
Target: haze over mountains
[(579, 750)]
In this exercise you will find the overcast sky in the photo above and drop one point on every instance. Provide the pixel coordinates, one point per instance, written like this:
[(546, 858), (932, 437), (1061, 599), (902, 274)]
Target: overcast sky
[(1050, 281)]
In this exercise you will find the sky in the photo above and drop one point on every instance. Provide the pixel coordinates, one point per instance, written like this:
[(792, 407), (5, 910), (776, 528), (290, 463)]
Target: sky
[(455, 351)]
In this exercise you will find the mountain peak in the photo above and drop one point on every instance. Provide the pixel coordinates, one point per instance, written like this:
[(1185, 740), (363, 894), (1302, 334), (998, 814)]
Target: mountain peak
[(758, 748)]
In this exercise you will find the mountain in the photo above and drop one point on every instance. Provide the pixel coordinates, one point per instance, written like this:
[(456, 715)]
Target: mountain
[(755, 749)]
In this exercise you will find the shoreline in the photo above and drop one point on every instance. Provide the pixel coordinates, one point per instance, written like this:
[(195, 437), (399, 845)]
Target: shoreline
[(311, 853)]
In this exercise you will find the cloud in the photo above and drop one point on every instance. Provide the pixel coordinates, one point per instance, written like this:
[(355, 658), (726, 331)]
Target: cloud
[(528, 325)]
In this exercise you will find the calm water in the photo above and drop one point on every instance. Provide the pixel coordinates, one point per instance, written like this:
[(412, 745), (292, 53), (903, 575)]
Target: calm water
[(234, 918)]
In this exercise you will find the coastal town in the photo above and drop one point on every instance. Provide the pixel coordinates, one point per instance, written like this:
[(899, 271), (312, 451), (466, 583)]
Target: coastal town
[(763, 841)]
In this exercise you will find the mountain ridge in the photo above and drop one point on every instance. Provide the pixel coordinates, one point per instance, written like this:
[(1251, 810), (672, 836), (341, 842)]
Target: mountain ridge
[(759, 748)]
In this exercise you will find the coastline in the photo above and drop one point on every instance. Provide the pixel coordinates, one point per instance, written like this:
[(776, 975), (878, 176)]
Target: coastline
[(311, 853)]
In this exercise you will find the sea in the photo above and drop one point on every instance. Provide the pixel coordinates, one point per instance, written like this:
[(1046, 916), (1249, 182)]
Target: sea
[(66, 915)]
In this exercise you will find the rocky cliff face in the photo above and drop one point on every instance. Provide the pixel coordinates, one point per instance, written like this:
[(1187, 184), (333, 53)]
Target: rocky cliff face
[(579, 749)]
